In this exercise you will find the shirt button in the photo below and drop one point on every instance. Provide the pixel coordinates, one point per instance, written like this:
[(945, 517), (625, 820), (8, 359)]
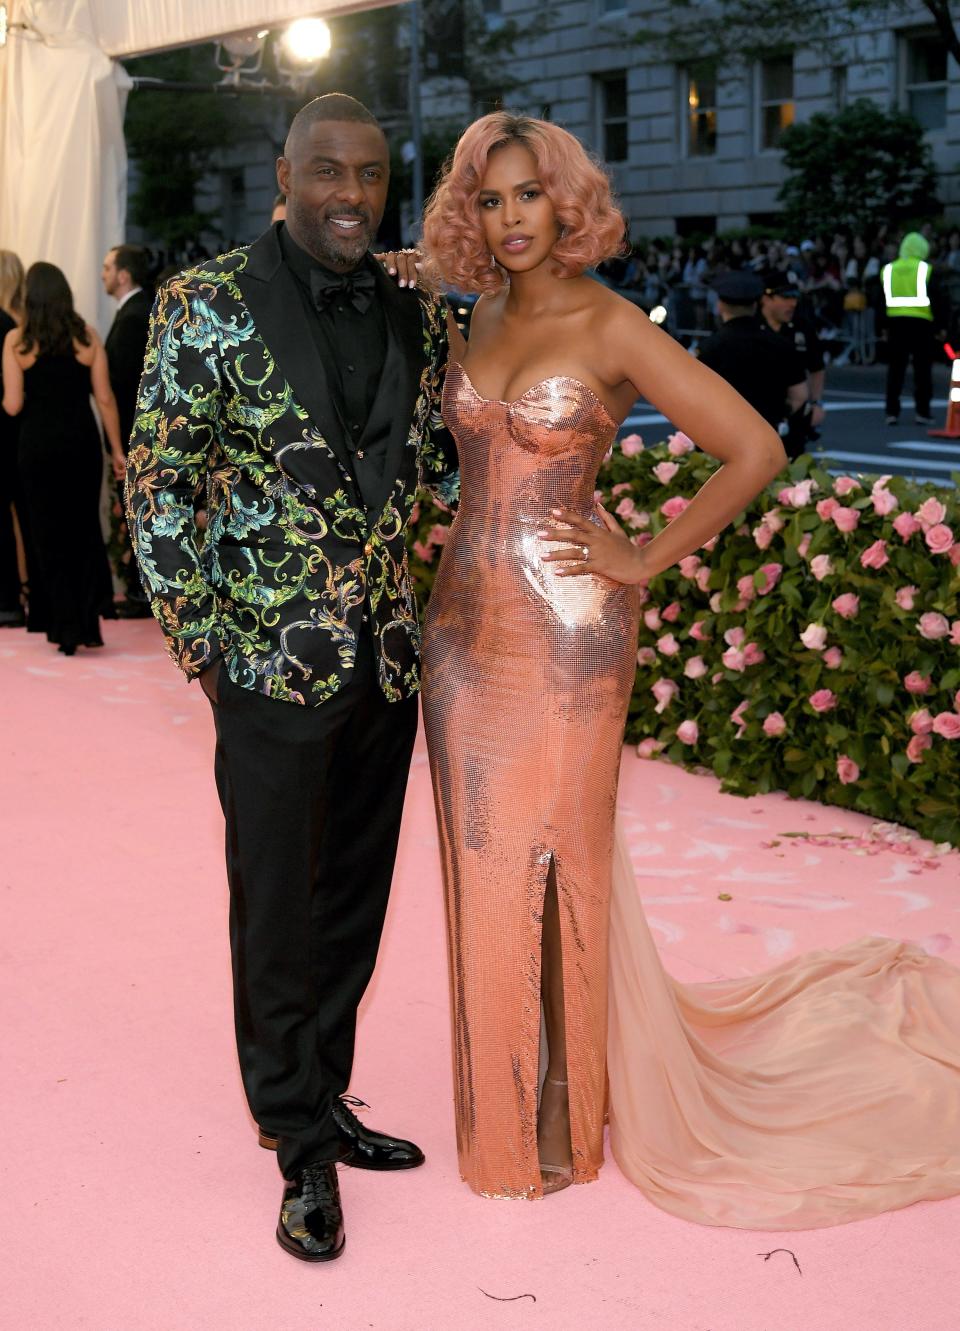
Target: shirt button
[(339, 309), (351, 368), (359, 452), (354, 428)]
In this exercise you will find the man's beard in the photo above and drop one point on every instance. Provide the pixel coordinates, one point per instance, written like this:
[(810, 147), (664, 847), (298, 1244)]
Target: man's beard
[(315, 231)]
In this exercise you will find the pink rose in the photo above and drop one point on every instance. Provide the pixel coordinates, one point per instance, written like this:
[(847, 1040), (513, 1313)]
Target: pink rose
[(931, 512), (678, 444), (762, 535), (708, 545), (673, 507), (664, 690), (668, 645), (646, 656), (804, 545), (703, 578), (939, 539), (699, 632), (734, 659), (814, 637), (771, 576), (847, 770), (845, 485), (796, 495), (821, 566), (845, 519), (642, 538), (824, 700), (621, 489), (947, 724), (753, 655), (921, 723), (648, 748), (904, 597), (917, 746), (625, 507), (631, 445), (695, 667), (423, 552), (905, 525), (637, 521), (847, 605), (688, 566), (773, 519), (746, 587), (884, 502), (652, 619), (437, 535), (672, 612), (734, 637), (955, 633), (933, 625), (714, 602), (954, 554), (688, 732), (774, 724), (665, 472), (827, 507), (916, 683), (736, 716), (875, 556), (832, 658)]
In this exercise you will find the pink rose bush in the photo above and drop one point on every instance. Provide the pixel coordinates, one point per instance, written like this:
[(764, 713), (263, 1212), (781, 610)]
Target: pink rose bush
[(814, 649)]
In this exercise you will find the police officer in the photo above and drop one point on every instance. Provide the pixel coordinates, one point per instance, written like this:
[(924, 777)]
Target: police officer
[(764, 370), (778, 309), (911, 292)]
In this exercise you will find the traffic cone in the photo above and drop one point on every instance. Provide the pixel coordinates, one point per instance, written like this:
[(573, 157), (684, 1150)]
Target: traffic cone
[(951, 429)]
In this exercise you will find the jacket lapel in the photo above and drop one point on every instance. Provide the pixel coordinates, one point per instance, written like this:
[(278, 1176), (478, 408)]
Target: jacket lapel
[(400, 382), (271, 295)]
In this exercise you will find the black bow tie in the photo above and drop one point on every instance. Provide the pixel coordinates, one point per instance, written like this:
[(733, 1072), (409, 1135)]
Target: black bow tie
[(357, 287)]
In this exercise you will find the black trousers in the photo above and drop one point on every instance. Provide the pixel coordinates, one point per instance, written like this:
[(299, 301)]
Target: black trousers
[(909, 338), (312, 798)]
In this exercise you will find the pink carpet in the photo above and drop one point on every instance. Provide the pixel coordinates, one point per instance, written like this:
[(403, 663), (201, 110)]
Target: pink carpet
[(134, 1197)]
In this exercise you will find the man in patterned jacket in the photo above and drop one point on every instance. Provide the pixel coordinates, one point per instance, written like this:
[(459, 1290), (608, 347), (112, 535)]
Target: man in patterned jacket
[(298, 388)]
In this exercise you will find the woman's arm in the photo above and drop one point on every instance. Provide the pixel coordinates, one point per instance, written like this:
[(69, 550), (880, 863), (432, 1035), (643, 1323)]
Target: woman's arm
[(706, 409), (107, 405), (12, 375)]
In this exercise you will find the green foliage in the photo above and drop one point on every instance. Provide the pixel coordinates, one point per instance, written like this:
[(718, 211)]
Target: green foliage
[(849, 168), (173, 137), (758, 587)]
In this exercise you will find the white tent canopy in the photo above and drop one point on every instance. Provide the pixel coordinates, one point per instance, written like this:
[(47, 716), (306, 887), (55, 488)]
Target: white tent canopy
[(63, 163)]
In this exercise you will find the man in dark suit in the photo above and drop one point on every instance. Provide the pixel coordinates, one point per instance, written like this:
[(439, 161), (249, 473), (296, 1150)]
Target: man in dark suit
[(125, 276), (299, 388)]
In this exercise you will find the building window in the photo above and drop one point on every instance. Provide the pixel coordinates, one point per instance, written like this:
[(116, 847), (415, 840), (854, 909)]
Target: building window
[(838, 87), (492, 11), (925, 79), (700, 109), (608, 7), (776, 99), (612, 116)]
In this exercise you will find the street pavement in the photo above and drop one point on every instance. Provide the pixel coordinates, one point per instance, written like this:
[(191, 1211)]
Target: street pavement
[(855, 437)]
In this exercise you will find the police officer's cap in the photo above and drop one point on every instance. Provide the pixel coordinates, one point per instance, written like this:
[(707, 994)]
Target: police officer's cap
[(740, 287), (780, 282)]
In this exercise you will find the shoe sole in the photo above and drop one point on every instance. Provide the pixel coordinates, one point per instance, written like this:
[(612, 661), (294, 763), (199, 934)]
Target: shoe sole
[(308, 1256)]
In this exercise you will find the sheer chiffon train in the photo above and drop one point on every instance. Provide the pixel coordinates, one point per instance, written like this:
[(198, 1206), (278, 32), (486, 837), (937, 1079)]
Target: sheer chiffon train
[(822, 1091)]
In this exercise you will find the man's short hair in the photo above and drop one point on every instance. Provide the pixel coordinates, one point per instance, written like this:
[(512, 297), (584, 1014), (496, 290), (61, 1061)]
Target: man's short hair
[(331, 106), (133, 259)]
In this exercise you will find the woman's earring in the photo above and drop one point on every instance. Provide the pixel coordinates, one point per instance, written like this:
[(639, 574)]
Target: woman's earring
[(493, 262)]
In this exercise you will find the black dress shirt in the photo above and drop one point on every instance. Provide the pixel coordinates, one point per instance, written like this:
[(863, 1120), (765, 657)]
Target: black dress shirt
[(352, 345)]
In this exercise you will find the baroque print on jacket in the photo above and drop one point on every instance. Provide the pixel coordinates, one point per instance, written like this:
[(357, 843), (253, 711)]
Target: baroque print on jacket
[(234, 411)]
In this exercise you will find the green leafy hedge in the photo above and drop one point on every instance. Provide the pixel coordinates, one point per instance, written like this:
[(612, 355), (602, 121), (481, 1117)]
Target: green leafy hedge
[(813, 647)]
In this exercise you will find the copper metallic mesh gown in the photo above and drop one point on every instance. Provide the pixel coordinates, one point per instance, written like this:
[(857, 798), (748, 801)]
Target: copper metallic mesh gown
[(822, 1091)]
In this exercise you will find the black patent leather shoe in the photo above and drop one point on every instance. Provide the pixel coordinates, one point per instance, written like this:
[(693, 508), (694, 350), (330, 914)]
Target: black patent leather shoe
[(311, 1216), (360, 1146)]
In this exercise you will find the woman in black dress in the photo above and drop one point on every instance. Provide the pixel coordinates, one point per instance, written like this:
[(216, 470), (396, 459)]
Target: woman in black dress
[(50, 367)]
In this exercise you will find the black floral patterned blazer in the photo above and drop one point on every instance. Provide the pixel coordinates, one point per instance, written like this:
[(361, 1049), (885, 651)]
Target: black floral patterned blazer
[(234, 407)]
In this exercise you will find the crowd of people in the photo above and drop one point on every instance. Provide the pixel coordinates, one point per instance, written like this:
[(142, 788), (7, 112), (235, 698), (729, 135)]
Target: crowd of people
[(838, 277)]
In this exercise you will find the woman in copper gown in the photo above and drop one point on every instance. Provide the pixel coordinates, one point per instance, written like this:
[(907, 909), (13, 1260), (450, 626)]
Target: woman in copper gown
[(749, 1103)]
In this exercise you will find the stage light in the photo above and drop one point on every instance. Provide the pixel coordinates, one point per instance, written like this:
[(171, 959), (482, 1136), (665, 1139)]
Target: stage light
[(243, 45), (657, 314), (306, 41)]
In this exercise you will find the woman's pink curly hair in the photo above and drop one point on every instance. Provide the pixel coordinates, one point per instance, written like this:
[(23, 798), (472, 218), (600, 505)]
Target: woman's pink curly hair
[(577, 186)]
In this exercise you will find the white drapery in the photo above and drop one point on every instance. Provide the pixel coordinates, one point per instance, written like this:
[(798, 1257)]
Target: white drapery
[(63, 162)]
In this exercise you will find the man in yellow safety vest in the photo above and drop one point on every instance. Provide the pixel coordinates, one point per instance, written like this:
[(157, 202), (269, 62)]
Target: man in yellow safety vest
[(907, 291)]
